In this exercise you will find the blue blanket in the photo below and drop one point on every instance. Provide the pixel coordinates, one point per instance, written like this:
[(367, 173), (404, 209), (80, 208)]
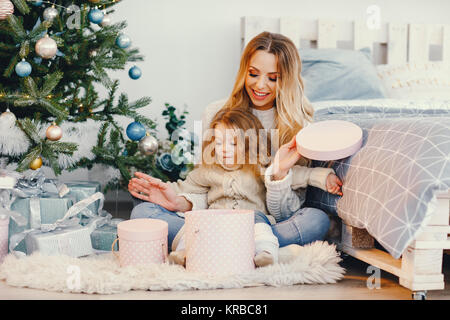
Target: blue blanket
[(390, 184)]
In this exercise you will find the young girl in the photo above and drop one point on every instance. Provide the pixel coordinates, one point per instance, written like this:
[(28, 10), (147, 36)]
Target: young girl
[(230, 177), (270, 86)]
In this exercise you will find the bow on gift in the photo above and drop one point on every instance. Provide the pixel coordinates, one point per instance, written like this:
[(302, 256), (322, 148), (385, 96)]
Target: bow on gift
[(7, 197), (70, 219)]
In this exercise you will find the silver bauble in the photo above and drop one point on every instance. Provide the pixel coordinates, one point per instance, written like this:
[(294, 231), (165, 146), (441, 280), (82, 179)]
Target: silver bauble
[(8, 119), (148, 145), (50, 13), (106, 20), (46, 47)]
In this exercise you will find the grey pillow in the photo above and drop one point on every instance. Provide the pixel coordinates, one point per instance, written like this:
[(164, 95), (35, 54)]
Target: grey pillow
[(340, 74)]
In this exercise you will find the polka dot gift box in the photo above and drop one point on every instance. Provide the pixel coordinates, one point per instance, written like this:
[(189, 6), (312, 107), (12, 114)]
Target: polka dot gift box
[(142, 241), (220, 242)]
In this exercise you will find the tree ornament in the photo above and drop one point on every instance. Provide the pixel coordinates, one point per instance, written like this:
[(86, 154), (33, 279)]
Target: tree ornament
[(36, 163), (23, 68), (123, 41), (46, 47), (135, 131), (165, 162), (50, 13), (7, 119), (6, 9), (95, 16), (135, 73), (148, 145), (94, 1), (106, 20), (54, 132), (37, 3)]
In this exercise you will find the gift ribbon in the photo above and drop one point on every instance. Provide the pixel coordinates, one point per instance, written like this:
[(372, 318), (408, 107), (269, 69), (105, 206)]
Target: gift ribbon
[(69, 220)]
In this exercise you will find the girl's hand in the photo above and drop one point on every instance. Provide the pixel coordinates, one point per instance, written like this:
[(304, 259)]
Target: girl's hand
[(151, 189), (334, 184), (285, 158)]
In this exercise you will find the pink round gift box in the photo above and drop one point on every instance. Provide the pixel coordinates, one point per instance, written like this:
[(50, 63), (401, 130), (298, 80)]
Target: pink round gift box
[(220, 241), (4, 225), (329, 140), (142, 241)]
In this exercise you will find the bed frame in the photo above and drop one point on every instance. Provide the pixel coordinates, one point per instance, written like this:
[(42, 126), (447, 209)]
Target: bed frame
[(420, 266)]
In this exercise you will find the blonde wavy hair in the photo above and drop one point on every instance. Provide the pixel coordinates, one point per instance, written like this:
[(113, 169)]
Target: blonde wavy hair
[(293, 109), (253, 146)]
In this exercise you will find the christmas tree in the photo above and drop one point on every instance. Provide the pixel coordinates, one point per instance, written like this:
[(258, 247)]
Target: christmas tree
[(53, 57)]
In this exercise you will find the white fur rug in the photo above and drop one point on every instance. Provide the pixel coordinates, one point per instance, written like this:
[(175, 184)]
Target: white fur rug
[(317, 263)]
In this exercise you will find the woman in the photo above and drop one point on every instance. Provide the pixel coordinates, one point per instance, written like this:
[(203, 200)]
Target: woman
[(268, 84)]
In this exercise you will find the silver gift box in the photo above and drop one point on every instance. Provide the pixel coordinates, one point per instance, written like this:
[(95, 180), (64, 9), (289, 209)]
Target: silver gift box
[(72, 241)]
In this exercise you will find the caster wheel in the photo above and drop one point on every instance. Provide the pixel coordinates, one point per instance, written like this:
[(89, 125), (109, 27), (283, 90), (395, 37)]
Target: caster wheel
[(419, 295)]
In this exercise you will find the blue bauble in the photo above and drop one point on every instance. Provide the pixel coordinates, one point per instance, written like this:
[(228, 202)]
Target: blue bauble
[(96, 16), (37, 3), (123, 41), (135, 131), (23, 69), (135, 73)]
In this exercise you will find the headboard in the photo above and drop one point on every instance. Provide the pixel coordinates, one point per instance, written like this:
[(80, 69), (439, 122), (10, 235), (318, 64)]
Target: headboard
[(392, 43)]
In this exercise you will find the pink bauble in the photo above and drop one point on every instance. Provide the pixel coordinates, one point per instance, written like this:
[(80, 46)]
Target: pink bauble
[(6, 9), (46, 47), (53, 133), (329, 140)]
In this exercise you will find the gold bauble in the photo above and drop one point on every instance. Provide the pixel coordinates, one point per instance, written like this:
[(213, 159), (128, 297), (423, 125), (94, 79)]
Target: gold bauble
[(36, 163), (53, 133)]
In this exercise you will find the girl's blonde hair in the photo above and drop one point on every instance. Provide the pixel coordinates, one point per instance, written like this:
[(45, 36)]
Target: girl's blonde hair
[(253, 143), (292, 106)]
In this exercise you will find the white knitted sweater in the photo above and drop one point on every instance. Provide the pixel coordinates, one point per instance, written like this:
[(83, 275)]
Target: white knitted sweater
[(283, 197)]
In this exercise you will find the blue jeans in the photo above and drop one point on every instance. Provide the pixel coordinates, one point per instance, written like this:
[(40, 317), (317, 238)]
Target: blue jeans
[(304, 226)]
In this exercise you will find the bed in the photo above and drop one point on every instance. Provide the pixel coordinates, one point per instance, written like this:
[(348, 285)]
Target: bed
[(397, 187)]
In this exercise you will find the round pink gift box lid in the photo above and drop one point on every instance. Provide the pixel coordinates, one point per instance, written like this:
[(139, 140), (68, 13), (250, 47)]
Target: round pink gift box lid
[(142, 229), (329, 140)]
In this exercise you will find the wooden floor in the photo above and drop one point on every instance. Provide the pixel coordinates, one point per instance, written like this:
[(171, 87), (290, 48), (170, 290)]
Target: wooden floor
[(352, 287)]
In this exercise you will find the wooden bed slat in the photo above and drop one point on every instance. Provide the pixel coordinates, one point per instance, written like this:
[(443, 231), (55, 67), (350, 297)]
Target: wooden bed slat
[(419, 44), (397, 43), (405, 43), (326, 34)]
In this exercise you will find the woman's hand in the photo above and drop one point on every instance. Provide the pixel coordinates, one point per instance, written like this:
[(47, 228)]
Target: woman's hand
[(334, 184), (151, 189), (285, 158)]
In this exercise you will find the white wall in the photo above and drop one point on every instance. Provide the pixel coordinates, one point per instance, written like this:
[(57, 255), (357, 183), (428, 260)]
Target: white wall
[(192, 47)]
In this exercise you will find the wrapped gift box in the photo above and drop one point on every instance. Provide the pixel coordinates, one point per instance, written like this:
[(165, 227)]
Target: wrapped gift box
[(103, 237), (83, 189), (51, 209)]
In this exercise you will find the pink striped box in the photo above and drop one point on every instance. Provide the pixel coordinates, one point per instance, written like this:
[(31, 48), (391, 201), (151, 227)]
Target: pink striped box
[(220, 242)]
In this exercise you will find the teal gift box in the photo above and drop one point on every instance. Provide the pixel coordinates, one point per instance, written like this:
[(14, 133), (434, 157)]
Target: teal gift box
[(103, 238), (83, 189), (51, 209)]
